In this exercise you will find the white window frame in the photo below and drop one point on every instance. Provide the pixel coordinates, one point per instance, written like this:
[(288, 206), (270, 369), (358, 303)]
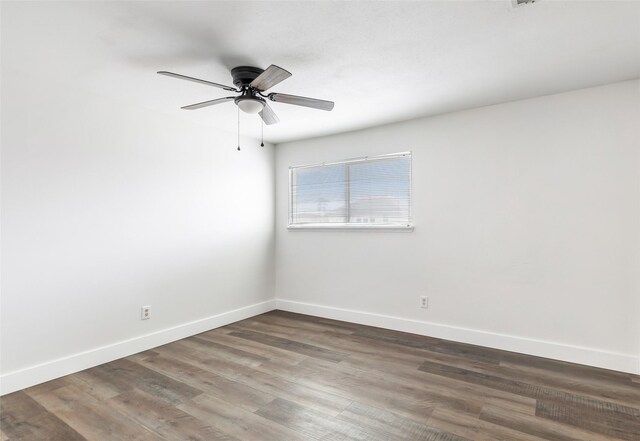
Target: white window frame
[(351, 225)]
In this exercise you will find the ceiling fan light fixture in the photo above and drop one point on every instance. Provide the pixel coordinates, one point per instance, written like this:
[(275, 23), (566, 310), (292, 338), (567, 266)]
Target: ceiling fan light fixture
[(250, 104)]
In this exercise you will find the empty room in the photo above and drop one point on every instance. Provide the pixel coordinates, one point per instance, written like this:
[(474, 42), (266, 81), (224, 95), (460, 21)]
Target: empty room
[(320, 220)]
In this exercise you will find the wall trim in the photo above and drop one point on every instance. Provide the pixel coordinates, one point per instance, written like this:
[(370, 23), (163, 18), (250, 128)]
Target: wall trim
[(30, 376), (558, 351)]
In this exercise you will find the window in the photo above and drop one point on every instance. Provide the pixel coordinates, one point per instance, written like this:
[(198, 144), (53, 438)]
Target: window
[(356, 193)]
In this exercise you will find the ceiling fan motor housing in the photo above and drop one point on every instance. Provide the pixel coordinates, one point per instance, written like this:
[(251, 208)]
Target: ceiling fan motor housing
[(244, 75)]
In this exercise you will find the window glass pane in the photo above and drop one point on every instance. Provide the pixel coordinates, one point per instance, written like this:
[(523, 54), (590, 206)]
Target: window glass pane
[(379, 191), (318, 194), (359, 192)]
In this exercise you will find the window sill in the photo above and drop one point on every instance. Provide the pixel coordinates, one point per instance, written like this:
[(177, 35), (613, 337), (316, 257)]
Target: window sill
[(345, 227)]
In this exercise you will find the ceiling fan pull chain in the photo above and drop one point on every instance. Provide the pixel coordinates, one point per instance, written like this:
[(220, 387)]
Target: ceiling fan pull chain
[(261, 132), (238, 128)]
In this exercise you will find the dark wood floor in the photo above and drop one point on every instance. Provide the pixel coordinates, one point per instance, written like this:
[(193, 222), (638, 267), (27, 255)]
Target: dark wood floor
[(283, 376)]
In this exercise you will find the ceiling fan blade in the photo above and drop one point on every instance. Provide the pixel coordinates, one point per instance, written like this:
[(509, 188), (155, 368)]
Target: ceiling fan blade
[(301, 101), (271, 76), (208, 103), (268, 115), (196, 80)]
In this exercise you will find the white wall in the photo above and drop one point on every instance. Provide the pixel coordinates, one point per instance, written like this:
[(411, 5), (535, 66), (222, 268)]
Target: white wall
[(527, 229), (107, 207), (526, 234)]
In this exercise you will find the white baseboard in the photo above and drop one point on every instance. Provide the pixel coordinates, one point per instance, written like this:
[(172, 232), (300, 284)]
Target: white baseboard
[(16, 380), (575, 354)]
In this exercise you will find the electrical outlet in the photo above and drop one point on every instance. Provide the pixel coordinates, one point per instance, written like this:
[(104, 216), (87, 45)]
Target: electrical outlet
[(424, 302), (146, 313)]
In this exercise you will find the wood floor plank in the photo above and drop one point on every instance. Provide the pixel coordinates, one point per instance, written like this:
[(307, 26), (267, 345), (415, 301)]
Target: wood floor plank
[(237, 421), (164, 419), (290, 345), (596, 387), (199, 358), (387, 393), (610, 392), (385, 352), (532, 425), (335, 324), (331, 341), (91, 418), (472, 352), (234, 392), (51, 385), (474, 428), (304, 395), (528, 390), (384, 421), (302, 325), (128, 375), (289, 377), (408, 377), (512, 402), (316, 425), (617, 425), (142, 355), (571, 369), (22, 418), (266, 351), (84, 381), (410, 409), (435, 384), (266, 381), (371, 349), (171, 366), (222, 352)]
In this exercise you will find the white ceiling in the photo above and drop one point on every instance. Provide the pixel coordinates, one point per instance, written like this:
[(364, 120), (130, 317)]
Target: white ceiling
[(379, 61)]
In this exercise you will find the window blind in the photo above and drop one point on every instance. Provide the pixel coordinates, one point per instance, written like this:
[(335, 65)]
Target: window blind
[(362, 192)]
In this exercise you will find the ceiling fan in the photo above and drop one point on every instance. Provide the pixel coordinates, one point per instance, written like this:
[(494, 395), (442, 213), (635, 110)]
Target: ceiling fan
[(250, 83)]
